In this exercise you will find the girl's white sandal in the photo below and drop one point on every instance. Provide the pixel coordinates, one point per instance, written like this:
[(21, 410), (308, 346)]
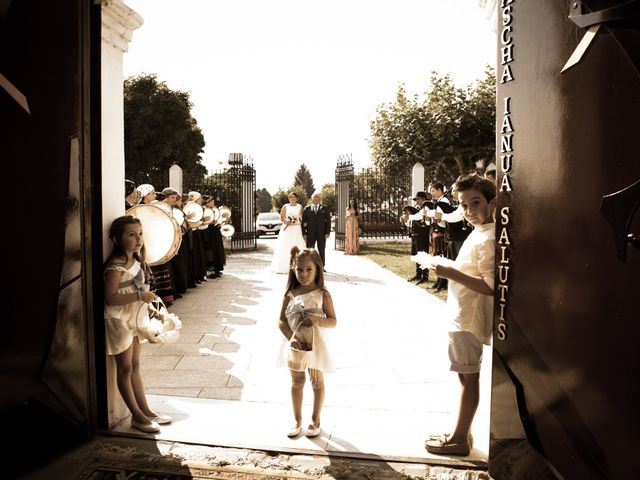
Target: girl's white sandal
[(161, 419), (313, 431)]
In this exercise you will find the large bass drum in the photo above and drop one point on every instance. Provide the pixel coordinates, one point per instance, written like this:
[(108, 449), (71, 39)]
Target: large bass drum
[(162, 236)]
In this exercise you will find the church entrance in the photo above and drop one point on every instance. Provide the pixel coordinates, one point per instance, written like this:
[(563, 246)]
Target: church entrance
[(391, 388)]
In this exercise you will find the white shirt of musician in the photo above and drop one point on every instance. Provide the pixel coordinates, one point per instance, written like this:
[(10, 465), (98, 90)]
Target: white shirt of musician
[(468, 310), (432, 213), (454, 217)]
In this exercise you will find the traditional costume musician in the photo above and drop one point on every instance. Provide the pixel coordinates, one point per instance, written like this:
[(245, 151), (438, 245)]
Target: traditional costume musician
[(419, 227), (198, 266), (161, 281), (131, 196), (179, 261), (438, 229), (215, 257)]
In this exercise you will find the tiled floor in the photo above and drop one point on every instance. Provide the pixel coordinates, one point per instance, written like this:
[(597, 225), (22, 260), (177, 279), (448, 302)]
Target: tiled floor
[(391, 387)]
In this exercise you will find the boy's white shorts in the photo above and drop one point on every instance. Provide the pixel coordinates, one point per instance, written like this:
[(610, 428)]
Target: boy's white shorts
[(465, 352)]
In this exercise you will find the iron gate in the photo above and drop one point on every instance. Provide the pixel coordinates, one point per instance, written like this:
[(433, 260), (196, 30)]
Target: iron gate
[(380, 200), (235, 187)]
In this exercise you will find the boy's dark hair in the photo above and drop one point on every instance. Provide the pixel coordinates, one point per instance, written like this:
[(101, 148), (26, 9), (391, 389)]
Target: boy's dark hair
[(438, 186), (475, 181)]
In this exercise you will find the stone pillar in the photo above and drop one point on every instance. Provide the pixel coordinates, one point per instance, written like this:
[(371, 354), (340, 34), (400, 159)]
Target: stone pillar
[(175, 178), (417, 179), (118, 24)]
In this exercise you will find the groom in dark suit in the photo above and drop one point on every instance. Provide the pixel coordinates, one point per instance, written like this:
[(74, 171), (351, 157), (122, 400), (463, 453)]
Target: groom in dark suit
[(316, 225)]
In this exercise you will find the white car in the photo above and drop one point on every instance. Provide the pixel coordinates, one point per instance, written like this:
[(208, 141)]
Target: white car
[(268, 223)]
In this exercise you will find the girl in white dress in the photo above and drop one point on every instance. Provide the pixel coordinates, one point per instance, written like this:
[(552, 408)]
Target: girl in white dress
[(290, 234), (307, 311), (126, 289)]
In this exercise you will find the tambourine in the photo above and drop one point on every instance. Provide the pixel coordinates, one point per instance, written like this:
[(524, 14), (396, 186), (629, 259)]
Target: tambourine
[(225, 214), (178, 215), (162, 235), (208, 217), (227, 230), (198, 213)]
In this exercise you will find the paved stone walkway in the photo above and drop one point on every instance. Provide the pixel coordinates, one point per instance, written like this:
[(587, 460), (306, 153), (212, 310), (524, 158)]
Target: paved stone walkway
[(392, 386)]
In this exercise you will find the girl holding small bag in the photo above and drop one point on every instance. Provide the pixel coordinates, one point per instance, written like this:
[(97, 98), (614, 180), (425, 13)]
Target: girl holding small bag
[(307, 310), (126, 289)]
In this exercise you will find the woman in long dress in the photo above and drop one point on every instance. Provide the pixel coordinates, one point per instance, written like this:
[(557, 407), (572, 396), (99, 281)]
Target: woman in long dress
[(351, 242), (290, 234)]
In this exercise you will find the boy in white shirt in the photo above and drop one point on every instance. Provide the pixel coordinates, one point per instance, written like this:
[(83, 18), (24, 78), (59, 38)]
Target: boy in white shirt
[(470, 307)]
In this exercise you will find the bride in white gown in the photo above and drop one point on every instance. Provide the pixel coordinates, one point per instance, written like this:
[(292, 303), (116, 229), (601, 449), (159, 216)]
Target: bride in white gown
[(290, 234)]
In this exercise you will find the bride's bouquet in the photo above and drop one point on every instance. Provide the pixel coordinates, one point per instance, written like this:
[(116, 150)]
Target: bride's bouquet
[(292, 219)]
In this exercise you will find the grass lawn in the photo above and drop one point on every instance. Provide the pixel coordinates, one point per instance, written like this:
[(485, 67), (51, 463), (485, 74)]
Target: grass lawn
[(394, 256)]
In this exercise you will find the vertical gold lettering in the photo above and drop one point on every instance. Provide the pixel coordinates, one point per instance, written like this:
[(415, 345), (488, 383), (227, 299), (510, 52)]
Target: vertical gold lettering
[(502, 307), (504, 214), (506, 143), (506, 13), (503, 292), (503, 273), (507, 105), (505, 37), (507, 54), (503, 254), (507, 74), (504, 237), (502, 331), (505, 163), (506, 124), (505, 186)]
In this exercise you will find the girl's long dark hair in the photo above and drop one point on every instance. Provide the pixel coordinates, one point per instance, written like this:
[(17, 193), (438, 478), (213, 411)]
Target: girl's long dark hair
[(115, 234), (353, 203), (296, 256)]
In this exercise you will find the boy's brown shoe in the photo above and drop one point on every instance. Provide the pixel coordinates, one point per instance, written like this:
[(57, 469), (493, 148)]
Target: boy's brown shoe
[(442, 446)]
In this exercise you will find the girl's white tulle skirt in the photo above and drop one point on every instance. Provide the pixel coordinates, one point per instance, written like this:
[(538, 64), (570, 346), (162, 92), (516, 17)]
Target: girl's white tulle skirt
[(320, 358)]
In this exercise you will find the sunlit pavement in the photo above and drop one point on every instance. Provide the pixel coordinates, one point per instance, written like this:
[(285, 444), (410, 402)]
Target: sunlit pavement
[(392, 386)]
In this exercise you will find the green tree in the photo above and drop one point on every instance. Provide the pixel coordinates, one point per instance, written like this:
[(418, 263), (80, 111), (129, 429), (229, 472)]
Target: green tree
[(159, 130), (282, 196), (263, 200), (303, 178), (446, 130), (328, 193)]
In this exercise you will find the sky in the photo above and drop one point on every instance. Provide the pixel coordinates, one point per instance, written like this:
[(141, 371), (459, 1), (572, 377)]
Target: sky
[(289, 82)]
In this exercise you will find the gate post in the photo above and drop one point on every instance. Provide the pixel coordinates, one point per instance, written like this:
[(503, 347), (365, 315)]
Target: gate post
[(243, 179), (175, 178), (344, 177), (417, 178)]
